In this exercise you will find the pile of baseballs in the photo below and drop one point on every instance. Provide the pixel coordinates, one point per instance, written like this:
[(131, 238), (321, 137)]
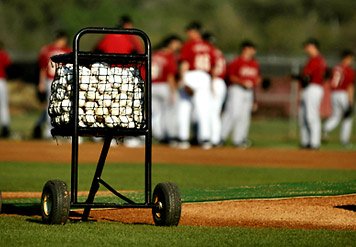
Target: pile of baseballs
[(108, 96)]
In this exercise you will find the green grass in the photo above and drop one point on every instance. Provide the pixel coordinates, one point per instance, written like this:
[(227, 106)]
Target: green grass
[(197, 183), (271, 133), (27, 231)]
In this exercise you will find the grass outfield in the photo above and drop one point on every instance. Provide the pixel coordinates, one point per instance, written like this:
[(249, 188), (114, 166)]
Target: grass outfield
[(22, 231), (273, 132), (197, 183)]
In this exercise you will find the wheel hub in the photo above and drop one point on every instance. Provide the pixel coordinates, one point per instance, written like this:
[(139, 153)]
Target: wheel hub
[(47, 204)]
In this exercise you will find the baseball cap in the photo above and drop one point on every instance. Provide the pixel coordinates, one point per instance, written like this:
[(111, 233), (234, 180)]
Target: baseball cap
[(247, 43), (194, 25), (312, 41)]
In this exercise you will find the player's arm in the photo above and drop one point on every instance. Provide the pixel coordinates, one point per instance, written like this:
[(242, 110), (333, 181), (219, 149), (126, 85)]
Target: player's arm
[(351, 93), (42, 80)]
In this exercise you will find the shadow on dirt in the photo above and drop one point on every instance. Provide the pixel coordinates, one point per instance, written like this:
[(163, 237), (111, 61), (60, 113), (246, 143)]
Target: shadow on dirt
[(347, 207)]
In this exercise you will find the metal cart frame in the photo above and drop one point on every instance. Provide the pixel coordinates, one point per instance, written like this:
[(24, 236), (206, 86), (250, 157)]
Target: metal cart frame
[(55, 194)]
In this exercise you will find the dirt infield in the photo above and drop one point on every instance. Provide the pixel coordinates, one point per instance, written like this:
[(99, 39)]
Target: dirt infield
[(60, 153), (337, 212)]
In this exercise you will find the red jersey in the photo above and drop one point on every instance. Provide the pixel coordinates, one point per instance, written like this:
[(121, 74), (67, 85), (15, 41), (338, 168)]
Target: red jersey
[(4, 63), (220, 63), (315, 69), (342, 78), (44, 58), (199, 55), (163, 65), (247, 71), (120, 43)]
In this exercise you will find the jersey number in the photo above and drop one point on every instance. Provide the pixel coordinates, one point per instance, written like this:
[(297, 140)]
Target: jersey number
[(202, 62)]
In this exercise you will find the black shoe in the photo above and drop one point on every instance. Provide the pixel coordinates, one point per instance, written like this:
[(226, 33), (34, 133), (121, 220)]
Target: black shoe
[(37, 132), (5, 132)]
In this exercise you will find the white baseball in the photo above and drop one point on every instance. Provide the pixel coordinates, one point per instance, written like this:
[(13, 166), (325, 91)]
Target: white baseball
[(66, 105)]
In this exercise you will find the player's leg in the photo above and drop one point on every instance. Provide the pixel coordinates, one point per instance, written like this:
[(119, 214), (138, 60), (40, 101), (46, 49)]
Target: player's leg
[(166, 101), (313, 102), (244, 119), (337, 112), (230, 113), (47, 130), (346, 126), (304, 130), (239, 133), (157, 111), (219, 93), (172, 119), (4, 109), (184, 113), (202, 101)]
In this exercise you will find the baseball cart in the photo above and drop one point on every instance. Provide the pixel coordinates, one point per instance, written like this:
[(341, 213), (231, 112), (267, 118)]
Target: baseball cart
[(109, 96)]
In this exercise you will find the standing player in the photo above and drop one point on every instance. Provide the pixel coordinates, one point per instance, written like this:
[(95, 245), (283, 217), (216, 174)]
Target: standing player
[(312, 92), (47, 72), (197, 61), (218, 90), (243, 75), (342, 86), (118, 43), (123, 44), (164, 87), (4, 101)]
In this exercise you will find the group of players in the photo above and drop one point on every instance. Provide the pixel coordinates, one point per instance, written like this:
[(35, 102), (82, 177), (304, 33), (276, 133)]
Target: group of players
[(191, 82), (189, 89)]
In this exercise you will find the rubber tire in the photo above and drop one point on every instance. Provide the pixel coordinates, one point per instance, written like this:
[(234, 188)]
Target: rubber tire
[(55, 203), (168, 204)]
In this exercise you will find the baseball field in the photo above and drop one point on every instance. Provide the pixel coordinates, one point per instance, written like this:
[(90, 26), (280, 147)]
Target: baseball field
[(271, 194)]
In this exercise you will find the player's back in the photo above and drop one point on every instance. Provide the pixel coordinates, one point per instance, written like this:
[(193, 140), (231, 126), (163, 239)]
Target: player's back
[(163, 64), (199, 55)]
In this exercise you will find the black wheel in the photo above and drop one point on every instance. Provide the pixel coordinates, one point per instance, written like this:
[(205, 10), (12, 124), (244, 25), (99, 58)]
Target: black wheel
[(55, 202), (167, 204)]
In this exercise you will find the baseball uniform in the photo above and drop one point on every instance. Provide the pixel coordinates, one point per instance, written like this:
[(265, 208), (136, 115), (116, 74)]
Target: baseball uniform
[(240, 97), (218, 95), (46, 64), (199, 55), (4, 101), (311, 96), (342, 78), (120, 43), (164, 65)]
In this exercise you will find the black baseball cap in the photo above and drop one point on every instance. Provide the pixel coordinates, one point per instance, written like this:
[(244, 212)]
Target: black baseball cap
[(194, 25), (247, 43), (312, 41), (124, 19), (209, 37), (347, 53)]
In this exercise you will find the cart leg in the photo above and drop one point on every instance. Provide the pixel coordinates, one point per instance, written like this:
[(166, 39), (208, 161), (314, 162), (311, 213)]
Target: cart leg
[(99, 169)]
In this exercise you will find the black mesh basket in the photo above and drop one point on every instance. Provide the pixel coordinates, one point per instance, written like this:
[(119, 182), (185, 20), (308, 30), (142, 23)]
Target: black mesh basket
[(111, 94)]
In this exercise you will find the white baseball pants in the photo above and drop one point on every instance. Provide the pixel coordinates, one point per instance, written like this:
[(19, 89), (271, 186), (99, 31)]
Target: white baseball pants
[(237, 115), (200, 83), (309, 115), (4, 104), (340, 103), (161, 105), (218, 97)]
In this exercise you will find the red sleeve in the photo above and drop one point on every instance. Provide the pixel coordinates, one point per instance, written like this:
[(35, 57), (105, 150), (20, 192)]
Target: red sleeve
[(6, 60), (43, 58), (137, 44), (172, 67), (185, 52)]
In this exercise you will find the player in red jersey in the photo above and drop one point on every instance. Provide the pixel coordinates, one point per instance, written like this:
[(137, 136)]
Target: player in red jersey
[(312, 92), (4, 99), (118, 43), (164, 88), (47, 72), (218, 90), (342, 96), (243, 75), (197, 61)]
